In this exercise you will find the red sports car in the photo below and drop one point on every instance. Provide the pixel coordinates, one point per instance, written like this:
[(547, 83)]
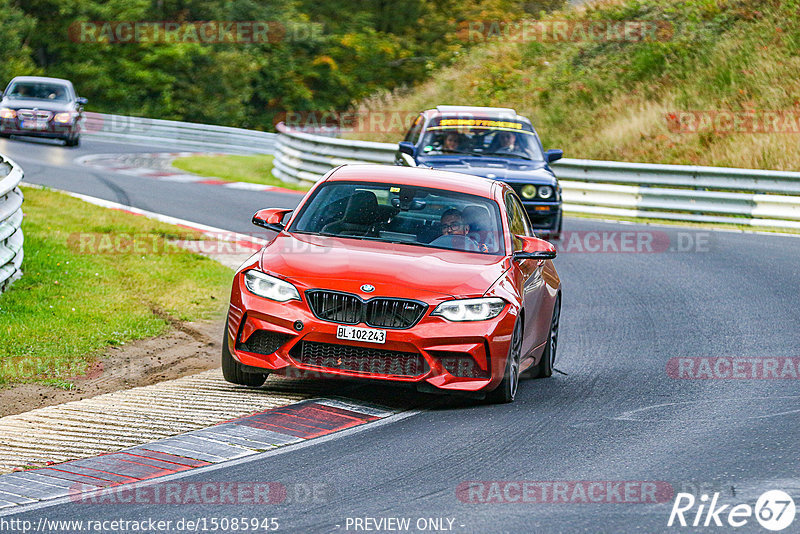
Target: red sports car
[(398, 274)]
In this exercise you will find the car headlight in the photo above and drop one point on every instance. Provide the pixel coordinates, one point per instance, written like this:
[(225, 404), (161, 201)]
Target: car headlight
[(528, 192), (6, 113), (270, 287), (63, 117), (470, 309), (545, 191)]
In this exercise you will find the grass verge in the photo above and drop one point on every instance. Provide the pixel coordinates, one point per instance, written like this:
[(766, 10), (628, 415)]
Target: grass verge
[(650, 100), (253, 169), (94, 278)]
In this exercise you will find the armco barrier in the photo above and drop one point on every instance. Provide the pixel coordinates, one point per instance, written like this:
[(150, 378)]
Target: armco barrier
[(180, 135), (604, 188), (10, 221)]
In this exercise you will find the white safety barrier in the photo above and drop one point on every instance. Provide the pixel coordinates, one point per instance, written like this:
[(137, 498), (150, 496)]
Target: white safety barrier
[(10, 220), (174, 134), (605, 188)]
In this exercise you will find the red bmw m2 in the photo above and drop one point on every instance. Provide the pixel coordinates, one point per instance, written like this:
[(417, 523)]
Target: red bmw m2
[(398, 274)]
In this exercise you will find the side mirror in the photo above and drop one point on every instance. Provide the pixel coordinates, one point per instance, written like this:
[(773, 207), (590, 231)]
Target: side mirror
[(534, 248), (82, 101), (271, 218), (554, 154), (407, 148)]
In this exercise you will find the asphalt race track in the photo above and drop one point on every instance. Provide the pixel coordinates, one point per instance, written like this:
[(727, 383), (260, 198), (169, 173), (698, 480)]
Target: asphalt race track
[(614, 415)]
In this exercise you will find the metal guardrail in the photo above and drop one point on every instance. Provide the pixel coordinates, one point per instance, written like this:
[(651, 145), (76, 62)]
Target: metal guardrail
[(182, 135), (10, 220), (605, 188)]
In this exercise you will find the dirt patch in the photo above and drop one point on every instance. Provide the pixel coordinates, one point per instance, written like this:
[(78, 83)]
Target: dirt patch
[(186, 349)]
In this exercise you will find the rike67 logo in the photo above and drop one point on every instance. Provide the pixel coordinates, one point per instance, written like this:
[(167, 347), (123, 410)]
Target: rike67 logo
[(774, 510)]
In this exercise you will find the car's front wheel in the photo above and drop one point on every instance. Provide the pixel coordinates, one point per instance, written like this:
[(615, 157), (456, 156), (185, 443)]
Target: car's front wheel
[(544, 368), (232, 370), (507, 389)]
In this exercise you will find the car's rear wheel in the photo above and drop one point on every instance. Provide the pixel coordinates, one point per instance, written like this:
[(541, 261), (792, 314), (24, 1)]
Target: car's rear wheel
[(232, 370), (544, 368), (507, 389)]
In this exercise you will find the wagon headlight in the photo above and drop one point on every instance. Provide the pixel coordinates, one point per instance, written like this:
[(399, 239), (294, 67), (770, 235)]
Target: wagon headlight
[(6, 113), (528, 192), (270, 287), (545, 191), (63, 118), (470, 309)]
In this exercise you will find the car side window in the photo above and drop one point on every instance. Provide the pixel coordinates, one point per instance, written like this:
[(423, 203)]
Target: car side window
[(517, 220), (413, 134)]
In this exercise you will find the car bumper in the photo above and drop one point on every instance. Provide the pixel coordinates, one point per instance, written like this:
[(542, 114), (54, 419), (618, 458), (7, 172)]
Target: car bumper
[(433, 354), (545, 216), (52, 130)]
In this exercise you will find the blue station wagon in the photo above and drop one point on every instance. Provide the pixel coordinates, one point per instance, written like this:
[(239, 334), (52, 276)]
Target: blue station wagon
[(495, 143)]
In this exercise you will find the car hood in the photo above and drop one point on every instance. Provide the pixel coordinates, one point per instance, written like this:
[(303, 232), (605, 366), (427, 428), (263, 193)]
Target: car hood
[(396, 270), (512, 171), (47, 105)]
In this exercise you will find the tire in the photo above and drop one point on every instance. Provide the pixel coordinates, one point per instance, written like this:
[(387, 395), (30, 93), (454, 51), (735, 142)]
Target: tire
[(5, 135), (72, 141), (507, 390), (544, 368), (556, 234), (232, 370)]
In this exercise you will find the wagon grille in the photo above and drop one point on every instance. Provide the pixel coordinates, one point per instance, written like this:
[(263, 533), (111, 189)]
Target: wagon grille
[(379, 312), (264, 342), (29, 114), (359, 359)]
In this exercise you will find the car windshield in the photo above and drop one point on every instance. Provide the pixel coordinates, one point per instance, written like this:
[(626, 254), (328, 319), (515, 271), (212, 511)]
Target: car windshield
[(38, 91), (481, 137), (402, 214)]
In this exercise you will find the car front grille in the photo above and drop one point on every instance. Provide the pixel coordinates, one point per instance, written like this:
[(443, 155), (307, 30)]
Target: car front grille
[(365, 360), (34, 114), (336, 307), (379, 312), (264, 342)]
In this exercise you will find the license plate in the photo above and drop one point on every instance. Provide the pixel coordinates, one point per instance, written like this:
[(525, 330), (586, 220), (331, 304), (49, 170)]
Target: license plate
[(33, 125), (353, 333)]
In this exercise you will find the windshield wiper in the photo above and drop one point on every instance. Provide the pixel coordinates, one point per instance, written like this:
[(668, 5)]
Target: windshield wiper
[(506, 155)]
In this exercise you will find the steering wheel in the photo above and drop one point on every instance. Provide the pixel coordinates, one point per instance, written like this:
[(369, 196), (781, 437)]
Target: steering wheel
[(457, 242)]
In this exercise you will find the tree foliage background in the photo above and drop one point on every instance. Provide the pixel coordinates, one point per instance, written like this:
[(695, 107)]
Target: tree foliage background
[(358, 47)]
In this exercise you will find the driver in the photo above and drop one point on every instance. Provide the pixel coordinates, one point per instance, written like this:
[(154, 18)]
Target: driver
[(507, 142), (453, 223)]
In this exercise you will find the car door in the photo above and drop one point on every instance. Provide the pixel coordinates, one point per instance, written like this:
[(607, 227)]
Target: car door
[(533, 287)]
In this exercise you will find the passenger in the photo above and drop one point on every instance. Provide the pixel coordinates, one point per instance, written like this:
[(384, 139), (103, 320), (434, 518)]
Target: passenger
[(480, 228), (452, 142)]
